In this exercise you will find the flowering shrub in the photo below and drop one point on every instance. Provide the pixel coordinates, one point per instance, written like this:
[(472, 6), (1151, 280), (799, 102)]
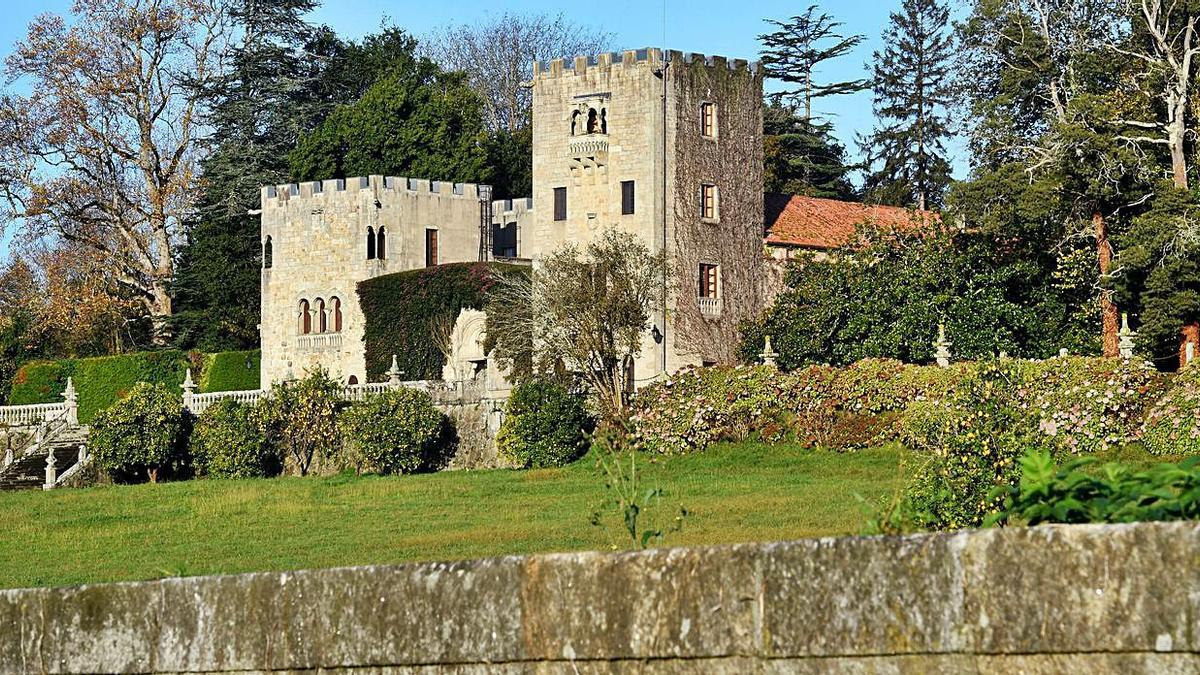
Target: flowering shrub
[(300, 421), (228, 442), (140, 435), (544, 425), (1172, 424), (395, 432)]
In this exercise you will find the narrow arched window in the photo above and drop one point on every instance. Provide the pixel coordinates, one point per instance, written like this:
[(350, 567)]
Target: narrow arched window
[(381, 245), (370, 243), (575, 123), (322, 319), (352, 380), (267, 253), (593, 121), (304, 320), (604, 120), (336, 304)]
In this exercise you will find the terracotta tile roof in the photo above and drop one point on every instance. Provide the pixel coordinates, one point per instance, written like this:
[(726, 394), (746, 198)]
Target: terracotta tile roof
[(812, 222)]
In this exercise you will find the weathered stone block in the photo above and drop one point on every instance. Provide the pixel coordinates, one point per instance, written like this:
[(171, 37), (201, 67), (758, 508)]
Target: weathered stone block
[(862, 596)]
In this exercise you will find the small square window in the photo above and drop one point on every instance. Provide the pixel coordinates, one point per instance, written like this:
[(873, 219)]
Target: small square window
[(708, 201), (560, 203), (627, 205), (708, 120)]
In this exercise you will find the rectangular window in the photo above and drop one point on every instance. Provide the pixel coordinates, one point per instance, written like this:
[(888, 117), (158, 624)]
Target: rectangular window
[(708, 120), (708, 280), (504, 240), (708, 201), (431, 247), (626, 197), (560, 203)]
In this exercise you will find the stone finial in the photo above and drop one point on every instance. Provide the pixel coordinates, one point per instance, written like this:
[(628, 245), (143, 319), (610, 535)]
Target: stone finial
[(1125, 338), (71, 397), (51, 470), (188, 386), (394, 373), (941, 347), (768, 355)]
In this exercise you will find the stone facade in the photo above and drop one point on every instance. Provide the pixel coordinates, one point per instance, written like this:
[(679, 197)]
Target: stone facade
[(626, 141)]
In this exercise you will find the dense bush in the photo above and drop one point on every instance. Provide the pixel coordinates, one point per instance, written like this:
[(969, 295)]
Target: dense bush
[(402, 311), (300, 423), (227, 441), (544, 425), (398, 431), (140, 435), (1079, 493), (1172, 425), (231, 371), (103, 380)]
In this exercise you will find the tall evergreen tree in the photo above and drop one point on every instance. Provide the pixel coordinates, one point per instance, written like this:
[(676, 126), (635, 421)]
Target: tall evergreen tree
[(907, 152), (801, 157), (257, 109), (800, 153)]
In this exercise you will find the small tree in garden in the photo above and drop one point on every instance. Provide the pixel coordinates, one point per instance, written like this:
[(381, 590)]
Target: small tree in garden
[(300, 420), (139, 435), (584, 310), (228, 442), (397, 431), (544, 425)]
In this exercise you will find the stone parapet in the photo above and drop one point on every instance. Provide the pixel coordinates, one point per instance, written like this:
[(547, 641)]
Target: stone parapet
[(1094, 599)]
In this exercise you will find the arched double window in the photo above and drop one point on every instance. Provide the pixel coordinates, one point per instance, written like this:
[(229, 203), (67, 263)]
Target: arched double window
[(267, 253), (322, 317), (370, 243), (304, 319)]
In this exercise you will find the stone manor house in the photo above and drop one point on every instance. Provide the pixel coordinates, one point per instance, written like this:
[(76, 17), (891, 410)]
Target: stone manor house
[(662, 144)]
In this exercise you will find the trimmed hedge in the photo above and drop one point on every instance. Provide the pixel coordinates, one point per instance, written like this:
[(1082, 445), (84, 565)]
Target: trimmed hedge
[(402, 309), (104, 380), (227, 371)]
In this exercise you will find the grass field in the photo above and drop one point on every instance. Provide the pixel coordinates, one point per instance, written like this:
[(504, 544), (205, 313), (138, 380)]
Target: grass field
[(733, 493)]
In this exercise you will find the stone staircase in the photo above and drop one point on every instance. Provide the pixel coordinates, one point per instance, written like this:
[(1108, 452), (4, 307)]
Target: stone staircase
[(28, 471)]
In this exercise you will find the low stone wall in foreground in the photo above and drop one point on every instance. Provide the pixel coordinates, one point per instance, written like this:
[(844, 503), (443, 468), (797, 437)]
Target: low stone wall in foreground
[(1088, 599)]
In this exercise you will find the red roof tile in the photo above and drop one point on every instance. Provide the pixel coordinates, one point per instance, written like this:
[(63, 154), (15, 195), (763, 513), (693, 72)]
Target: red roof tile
[(812, 222)]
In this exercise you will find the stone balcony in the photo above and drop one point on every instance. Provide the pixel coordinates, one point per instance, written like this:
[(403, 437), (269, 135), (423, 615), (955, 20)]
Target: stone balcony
[(590, 150), (319, 342), (709, 306)]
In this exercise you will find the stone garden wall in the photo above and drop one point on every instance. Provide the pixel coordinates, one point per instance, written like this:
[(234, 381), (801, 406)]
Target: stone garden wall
[(1094, 599)]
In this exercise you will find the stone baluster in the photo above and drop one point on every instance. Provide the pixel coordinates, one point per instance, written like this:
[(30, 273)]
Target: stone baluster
[(768, 355), (72, 400), (51, 470), (82, 453), (189, 391), (941, 347), (1189, 353), (8, 453)]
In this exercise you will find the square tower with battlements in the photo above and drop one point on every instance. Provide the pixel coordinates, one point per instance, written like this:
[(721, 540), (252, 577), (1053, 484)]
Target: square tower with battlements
[(667, 146)]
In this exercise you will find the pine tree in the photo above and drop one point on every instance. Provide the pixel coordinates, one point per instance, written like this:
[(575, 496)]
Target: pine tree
[(912, 88), (791, 53), (802, 157), (257, 109)]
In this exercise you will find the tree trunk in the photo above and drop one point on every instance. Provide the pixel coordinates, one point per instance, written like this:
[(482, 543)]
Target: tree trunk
[(1175, 136), (153, 475), (1109, 319), (160, 311)]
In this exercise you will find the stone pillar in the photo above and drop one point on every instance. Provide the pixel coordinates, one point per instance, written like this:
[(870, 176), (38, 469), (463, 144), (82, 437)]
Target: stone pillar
[(189, 390), (394, 374), (941, 347), (1125, 338), (51, 470), (1189, 337), (72, 399), (768, 355)]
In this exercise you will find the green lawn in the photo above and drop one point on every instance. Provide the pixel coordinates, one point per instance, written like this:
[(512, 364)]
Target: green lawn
[(733, 493)]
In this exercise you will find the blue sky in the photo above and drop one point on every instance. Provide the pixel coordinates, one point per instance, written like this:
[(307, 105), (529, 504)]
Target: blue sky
[(704, 26)]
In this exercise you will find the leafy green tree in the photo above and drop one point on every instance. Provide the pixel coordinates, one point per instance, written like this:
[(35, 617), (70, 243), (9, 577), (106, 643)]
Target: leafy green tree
[(140, 435), (544, 425), (396, 432), (801, 156), (415, 121), (793, 52), (907, 151), (300, 421)]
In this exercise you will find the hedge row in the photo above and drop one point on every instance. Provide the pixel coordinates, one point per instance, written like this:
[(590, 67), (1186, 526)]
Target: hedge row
[(402, 310), (103, 380)]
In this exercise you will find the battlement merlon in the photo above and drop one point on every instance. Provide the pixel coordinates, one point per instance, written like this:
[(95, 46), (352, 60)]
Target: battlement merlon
[(651, 56), (279, 195)]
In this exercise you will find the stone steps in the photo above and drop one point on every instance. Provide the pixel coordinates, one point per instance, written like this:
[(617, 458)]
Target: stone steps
[(29, 472)]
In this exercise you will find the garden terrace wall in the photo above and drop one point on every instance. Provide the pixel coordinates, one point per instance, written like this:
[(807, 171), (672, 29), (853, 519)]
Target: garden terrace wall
[(1084, 598)]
